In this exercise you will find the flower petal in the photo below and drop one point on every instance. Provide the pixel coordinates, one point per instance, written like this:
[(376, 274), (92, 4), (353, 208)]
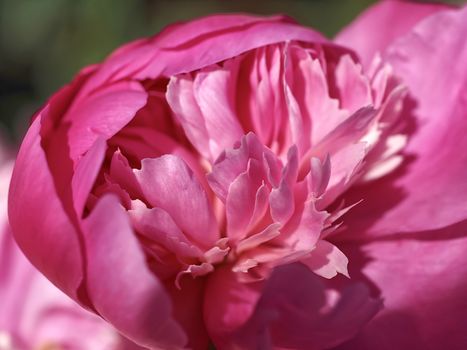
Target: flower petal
[(119, 283), (430, 191), (422, 281), (380, 25), (43, 229), (168, 183), (305, 314)]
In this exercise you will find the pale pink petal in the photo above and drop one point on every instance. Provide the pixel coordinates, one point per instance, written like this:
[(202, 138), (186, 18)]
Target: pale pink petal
[(242, 198), (119, 283), (354, 87), (380, 25), (281, 200), (234, 161), (181, 99), (122, 174), (205, 108), (157, 225), (326, 260), (213, 91)]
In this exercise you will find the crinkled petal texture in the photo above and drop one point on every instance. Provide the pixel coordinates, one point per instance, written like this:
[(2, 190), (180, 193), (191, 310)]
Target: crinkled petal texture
[(197, 179)]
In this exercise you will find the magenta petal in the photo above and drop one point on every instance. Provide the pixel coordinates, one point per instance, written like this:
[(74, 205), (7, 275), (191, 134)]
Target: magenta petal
[(228, 304), (85, 174), (305, 314), (40, 225), (188, 310), (423, 285), (102, 114), (210, 39), (432, 191), (380, 25), (119, 283)]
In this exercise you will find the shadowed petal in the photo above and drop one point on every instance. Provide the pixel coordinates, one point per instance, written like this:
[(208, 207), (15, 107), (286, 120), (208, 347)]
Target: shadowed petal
[(121, 287)]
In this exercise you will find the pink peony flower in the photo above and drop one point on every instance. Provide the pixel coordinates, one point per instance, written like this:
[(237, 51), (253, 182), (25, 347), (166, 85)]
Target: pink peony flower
[(219, 183), (35, 314)]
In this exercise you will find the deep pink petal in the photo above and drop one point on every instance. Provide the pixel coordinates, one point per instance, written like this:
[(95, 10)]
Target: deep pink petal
[(102, 114), (305, 314), (188, 310), (380, 25), (210, 39), (119, 283), (40, 225), (86, 171), (228, 303)]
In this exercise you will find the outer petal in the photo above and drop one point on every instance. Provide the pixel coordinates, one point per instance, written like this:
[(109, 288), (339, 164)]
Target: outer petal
[(41, 227), (380, 25), (102, 114), (228, 304), (304, 314), (119, 283), (210, 39), (430, 191), (423, 285)]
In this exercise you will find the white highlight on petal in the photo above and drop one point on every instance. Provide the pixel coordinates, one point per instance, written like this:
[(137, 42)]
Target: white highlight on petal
[(6, 342)]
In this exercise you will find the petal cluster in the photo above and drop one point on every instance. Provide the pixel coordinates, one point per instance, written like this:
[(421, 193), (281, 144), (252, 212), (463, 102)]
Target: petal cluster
[(220, 182)]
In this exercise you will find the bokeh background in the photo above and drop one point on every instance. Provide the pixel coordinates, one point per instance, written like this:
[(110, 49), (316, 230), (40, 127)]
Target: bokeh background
[(43, 43)]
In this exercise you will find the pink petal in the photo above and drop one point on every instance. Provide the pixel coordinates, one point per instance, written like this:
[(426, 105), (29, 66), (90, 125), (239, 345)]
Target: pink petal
[(188, 310), (121, 287), (86, 171), (206, 111), (305, 314), (228, 303), (245, 195), (354, 87), (281, 200), (383, 23), (168, 183), (42, 228), (307, 80), (234, 162), (326, 260), (430, 191), (102, 114), (157, 225), (210, 39), (422, 281)]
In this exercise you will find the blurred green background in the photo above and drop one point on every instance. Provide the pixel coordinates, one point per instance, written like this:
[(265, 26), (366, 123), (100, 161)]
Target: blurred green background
[(43, 43)]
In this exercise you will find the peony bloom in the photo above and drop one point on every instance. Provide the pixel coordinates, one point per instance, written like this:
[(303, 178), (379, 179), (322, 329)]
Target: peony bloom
[(35, 314), (247, 183)]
